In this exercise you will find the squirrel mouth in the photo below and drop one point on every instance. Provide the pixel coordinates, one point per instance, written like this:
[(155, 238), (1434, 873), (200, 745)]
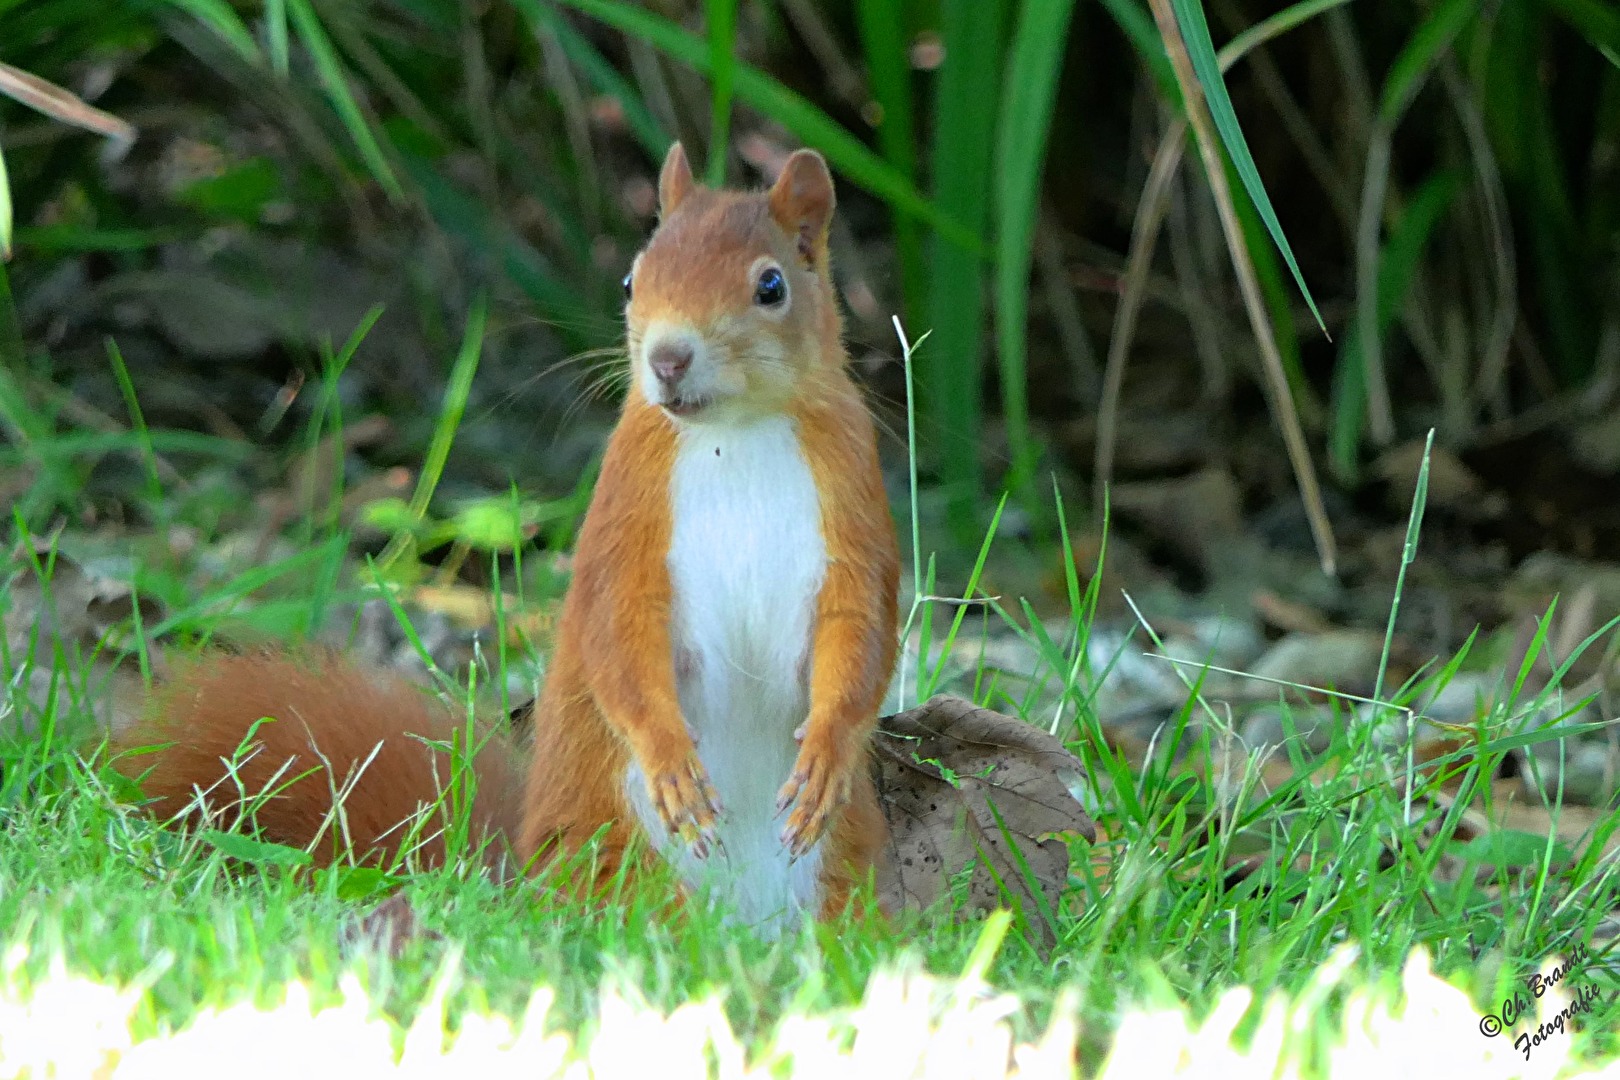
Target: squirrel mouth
[(684, 406)]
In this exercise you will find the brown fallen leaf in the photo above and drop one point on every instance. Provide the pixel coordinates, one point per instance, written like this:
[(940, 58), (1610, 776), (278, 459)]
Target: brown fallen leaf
[(946, 772)]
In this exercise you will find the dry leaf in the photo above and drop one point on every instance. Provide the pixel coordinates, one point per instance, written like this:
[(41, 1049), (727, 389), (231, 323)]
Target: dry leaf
[(946, 771)]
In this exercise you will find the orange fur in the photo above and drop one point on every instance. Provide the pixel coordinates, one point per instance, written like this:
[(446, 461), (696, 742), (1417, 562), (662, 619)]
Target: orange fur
[(611, 694), (326, 718)]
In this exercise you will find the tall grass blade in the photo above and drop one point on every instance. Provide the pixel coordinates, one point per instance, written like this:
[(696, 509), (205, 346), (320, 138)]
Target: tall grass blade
[(137, 420), (444, 432), (336, 82), (219, 17), (722, 16), (1137, 26), (851, 157), (275, 26), (5, 209), (964, 144), (1416, 59), (1406, 77), (1149, 217), (1398, 265), (1275, 26), (1414, 529), (882, 27), (544, 18), (1195, 32), (1150, 213), (1524, 130), (1035, 63), (1268, 272), (1276, 378)]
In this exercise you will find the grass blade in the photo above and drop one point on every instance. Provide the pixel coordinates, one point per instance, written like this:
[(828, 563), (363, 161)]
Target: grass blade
[(1026, 115), (1417, 58), (1150, 213), (1274, 26), (336, 82), (137, 421), (1137, 26), (1414, 529), (444, 432), (275, 24), (851, 157), (882, 28), (1524, 124), (722, 16), (1195, 33), (648, 131), (5, 210), (1597, 22), (1397, 266), (219, 17), (1276, 378), (964, 142), (1406, 76)]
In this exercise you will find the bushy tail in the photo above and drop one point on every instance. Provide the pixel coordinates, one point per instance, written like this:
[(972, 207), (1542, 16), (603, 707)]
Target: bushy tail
[(283, 738)]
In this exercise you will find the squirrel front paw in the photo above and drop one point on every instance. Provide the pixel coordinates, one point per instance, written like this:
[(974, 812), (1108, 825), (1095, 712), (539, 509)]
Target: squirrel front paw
[(685, 802), (821, 783)]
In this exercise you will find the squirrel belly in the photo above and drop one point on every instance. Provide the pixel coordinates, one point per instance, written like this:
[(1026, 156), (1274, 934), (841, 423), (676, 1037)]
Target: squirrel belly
[(746, 562)]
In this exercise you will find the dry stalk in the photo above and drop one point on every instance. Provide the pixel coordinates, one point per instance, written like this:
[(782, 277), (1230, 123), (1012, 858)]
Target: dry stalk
[(1276, 381)]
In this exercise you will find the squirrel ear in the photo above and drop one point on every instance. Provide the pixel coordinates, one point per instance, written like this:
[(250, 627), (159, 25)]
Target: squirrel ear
[(802, 202), (675, 181)]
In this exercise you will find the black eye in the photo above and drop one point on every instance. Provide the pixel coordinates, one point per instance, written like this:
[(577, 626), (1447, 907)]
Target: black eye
[(627, 278), (771, 289)]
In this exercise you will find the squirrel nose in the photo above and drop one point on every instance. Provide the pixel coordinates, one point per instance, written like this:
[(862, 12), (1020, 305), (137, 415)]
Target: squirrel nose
[(669, 360)]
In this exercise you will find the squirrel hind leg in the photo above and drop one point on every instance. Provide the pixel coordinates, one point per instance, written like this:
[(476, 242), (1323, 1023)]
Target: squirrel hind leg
[(853, 847), (277, 735)]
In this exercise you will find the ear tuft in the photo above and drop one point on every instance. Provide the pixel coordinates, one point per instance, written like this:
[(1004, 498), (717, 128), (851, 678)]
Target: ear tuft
[(802, 203), (675, 181)]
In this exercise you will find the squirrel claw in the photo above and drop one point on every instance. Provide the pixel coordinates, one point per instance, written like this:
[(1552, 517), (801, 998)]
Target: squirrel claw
[(790, 791), (695, 840)]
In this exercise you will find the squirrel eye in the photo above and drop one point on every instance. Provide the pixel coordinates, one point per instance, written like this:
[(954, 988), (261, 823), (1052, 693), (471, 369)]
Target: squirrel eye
[(771, 289), (627, 279)]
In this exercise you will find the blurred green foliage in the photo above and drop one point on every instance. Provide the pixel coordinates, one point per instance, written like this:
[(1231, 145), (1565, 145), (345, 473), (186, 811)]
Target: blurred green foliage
[(1448, 174)]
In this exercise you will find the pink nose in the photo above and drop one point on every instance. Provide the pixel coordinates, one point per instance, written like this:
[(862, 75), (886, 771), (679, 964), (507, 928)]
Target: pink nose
[(669, 360)]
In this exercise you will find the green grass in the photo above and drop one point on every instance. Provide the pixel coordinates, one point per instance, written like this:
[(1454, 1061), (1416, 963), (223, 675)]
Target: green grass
[(1348, 852), (1345, 855)]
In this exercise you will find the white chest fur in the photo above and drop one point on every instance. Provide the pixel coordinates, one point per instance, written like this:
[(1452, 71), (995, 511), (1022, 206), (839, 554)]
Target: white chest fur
[(746, 561)]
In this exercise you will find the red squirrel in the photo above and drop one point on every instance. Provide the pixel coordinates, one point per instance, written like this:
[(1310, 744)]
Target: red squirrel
[(729, 631)]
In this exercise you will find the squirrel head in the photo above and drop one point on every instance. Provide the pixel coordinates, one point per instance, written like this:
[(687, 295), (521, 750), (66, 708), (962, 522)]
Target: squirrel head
[(730, 306)]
